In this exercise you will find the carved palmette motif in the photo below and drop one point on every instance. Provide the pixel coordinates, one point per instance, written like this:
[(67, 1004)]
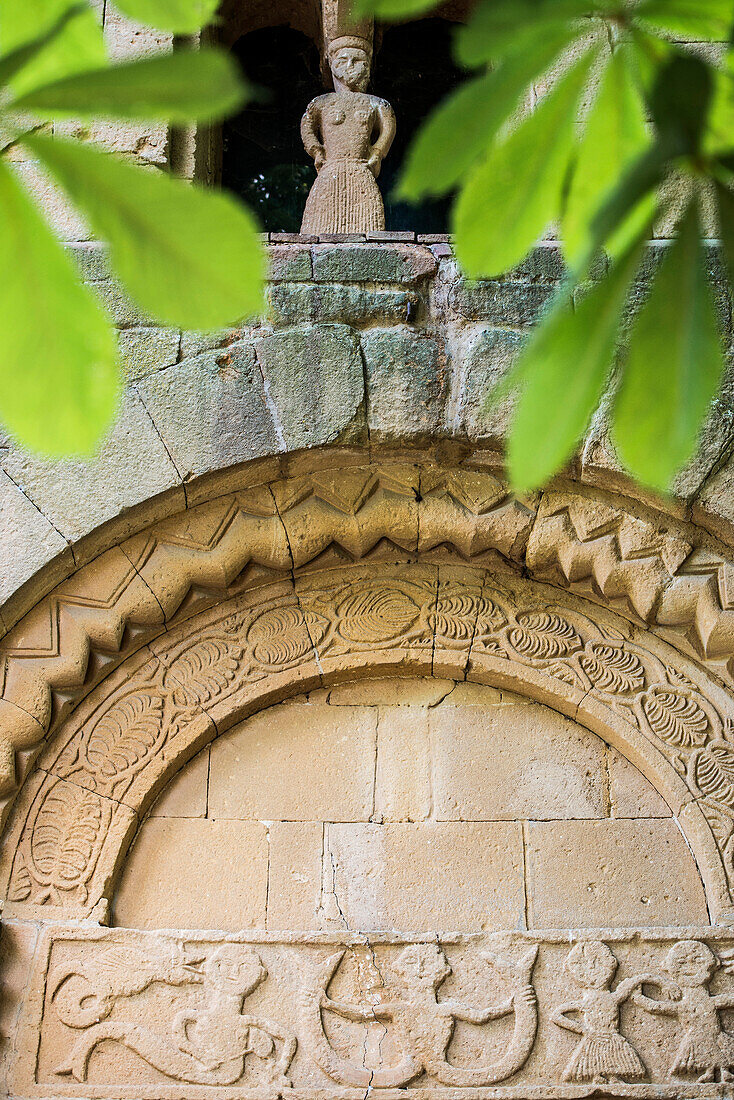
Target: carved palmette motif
[(336, 616), (144, 1011)]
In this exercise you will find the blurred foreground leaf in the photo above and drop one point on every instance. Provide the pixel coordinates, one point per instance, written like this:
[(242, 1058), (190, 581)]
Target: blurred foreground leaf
[(175, 16), (59, 381), (188, 256), (511, 198), (673, 367), (180, 87), (563, 372), (614, 137), (464, 125)]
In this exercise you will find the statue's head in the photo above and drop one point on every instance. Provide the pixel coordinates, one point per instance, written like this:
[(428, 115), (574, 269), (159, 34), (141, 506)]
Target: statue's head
[(690, 963), (592, 965), (422, 964), (235, 969), (350, 58)]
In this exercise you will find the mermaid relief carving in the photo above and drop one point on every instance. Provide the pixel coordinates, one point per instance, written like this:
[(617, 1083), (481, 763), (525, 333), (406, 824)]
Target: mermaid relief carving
[(422, 1025)]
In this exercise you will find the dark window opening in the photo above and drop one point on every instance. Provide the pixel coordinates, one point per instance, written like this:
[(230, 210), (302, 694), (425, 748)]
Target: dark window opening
[(414, 71), (264, 161)]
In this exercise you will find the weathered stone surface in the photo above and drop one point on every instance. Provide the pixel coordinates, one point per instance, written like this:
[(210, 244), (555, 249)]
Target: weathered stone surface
[(406, 382), (213, 409), (268, 770), (145, 350), (91, 259), (403, 780), (511, 763), (372, 263), (289, 264), (630, 794), (228, 890), (29, 540), (186, 794), (502, 301), (293, 303), (394, 692), (579, 872), (432, 875), (122, 309), (313, 375), (133, 465), (294, 874), (488, 357)]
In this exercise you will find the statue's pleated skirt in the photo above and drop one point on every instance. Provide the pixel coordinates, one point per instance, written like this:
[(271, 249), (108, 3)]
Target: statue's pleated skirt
[(344, 199)]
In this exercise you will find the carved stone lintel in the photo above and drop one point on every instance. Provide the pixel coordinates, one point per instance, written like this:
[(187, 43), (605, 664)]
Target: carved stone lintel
[(143, 1014)]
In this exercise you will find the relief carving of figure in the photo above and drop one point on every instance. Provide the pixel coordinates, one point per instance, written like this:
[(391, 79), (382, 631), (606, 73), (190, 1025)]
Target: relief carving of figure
[(207, 1045), (423, 1025), (603, 1054), (348, 133), (85, 992), (706, 1049)]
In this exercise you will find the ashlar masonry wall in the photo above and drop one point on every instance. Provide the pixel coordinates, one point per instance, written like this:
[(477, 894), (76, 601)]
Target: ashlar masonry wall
[(404, 804)]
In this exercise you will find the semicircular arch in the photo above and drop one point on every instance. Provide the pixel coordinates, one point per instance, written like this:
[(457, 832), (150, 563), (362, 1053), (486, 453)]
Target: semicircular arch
[(276, 637)]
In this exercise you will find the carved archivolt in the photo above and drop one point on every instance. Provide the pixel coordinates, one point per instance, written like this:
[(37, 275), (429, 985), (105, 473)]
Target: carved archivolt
[(148, 652), (108, 760)]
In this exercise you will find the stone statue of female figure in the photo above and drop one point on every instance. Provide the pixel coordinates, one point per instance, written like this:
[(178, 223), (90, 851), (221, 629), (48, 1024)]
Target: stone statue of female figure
[(348, 133)]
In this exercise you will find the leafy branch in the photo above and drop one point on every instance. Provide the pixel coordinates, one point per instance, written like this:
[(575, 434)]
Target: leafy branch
[(187, 256), (627, 108)]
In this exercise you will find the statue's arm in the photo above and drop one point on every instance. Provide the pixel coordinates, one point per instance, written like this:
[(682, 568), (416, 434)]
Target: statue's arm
[(629, 985), (477, 1015), (358, 1014), (385, 134), (650, 1004), (560, 1017), (311, 133)]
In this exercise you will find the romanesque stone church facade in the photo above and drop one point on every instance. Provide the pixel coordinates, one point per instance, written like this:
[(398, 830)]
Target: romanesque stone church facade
[(329, 766)]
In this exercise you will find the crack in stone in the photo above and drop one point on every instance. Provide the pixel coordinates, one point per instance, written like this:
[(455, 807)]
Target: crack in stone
[(171, 459)]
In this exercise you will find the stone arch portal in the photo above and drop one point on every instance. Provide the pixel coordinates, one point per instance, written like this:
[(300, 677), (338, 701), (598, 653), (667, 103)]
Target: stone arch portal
[(172, 636)]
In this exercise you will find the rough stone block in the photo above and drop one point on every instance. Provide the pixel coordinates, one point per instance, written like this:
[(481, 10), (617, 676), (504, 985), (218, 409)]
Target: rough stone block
[(289, 263), (586, 873), (29, 539), (315, 378), (145, 350), (510, 763), (294, 879), (296, 763), (428, 875), (78, 495), (192, 873), (544, 263), (211, 410), (382, 263), (392, 692), (405, 382), (489, 357), (293, 303), (65, 221), (92, 259), (502, 302), (122, 309)]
